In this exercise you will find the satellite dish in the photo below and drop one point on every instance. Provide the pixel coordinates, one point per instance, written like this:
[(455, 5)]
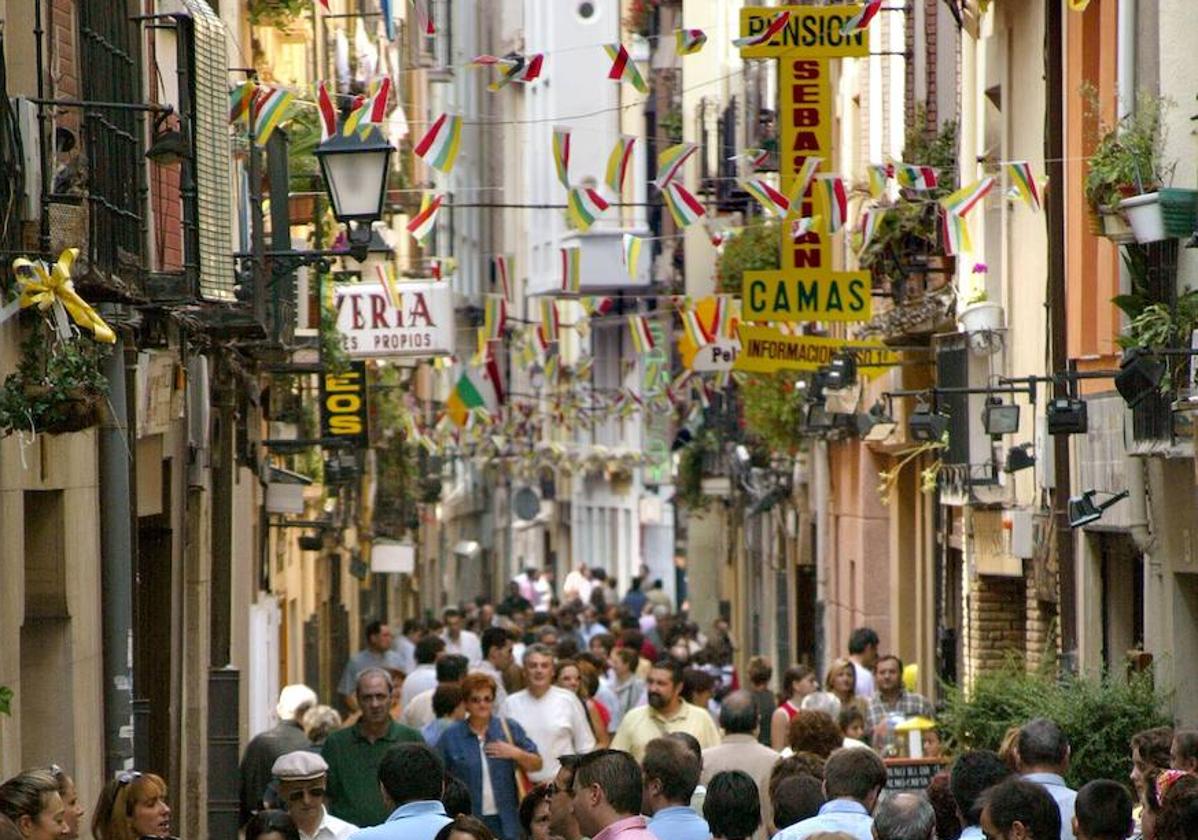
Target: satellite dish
[(526, 503)]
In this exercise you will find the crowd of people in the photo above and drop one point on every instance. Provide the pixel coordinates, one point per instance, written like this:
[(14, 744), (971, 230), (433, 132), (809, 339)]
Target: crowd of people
[(612, 720)]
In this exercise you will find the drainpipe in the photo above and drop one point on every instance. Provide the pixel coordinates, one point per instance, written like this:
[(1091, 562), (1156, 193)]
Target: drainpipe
[(820, 490), (1137, 504), (1126, 57)]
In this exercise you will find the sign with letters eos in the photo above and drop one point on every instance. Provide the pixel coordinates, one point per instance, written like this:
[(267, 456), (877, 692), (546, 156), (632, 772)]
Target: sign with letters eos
[(422, 325), (343, 404)]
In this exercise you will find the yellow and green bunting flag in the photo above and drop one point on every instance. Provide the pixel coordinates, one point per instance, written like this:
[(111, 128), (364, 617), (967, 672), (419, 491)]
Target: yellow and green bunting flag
[(623, 68), (670, 161), (1024, 183), (494, 316), (571, 269), (689, 41), (422, 224), (774, 202), (632, 253), (684, 207), (642, 336), (269, 108)]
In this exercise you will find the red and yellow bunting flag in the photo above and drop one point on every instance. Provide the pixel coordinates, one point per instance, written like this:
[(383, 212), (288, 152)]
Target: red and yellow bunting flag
[(422, 224), (689, 41), (774, 202), (241, 99), (439, 146), (623, 68), (583, 206), (803, 181), (670, 161), (561, 155), (389, 279), (632, 253), (1020, 174), (270, 106), (965, 199), (549, 321), (777, 24), (642, 336), (494, 316), (915, 177), (617, 163), (684, 207), (861, 20), (571, 269), (503, 265), (836, 201), (879, 174)]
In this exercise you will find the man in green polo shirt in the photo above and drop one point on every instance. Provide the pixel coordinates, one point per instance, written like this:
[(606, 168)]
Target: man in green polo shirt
[(353, 754)]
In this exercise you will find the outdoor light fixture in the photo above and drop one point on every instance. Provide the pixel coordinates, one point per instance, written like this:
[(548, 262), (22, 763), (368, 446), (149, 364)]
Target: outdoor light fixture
[(742, 456), (1083, 511), (877, 425), (1067, 416), (926, 425), (1139, 376), (818, 419), (841, 372), (355, 169), (1019, 458), (1000, 418)]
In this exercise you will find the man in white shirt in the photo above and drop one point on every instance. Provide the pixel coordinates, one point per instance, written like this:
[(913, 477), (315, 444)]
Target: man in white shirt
[(424, 677), (552, 717), (405, 644), (863, 653), (459, 640), (451, 669), (497, 656), (543, 587), (578, 585), (302, 776)]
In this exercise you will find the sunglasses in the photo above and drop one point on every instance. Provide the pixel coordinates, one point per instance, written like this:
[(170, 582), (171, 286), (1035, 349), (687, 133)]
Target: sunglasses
[(56, 771), (126, 776), (481, 700), (298, 795)]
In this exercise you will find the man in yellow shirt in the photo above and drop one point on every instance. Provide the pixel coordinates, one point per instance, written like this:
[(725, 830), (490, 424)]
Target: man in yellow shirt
[(667, 712)]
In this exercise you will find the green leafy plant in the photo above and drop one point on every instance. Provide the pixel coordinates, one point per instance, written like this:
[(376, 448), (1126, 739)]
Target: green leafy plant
[(57, 387), (1153, 324), (277, 13), (332, 343), (755, 248), (640, 16), (688, 481), (671, 124), (5, 700), (1098, 714), (888, 479), (1128, 156), (774, 410)]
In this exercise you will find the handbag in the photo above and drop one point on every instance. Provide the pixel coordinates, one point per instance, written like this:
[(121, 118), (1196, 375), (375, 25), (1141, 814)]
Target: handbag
[(523, 783)]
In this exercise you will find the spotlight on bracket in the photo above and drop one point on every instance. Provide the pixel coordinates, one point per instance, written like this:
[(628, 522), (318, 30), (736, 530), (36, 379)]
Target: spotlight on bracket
[(926, 425), (1000, 418), (877, 424), (1139, 376), (1083, 511), (1067, 416), (1019, 458)]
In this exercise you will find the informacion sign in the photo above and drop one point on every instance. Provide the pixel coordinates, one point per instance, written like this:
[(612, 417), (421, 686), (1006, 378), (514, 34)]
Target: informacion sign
[(422, 324), (806, 296), (767, 349), (343, 404), (813, 32)]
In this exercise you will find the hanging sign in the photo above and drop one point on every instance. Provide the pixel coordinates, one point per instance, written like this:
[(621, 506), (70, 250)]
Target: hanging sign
[(812, 32), (372, 327), (343, 405), (766, 350), (806, 296)]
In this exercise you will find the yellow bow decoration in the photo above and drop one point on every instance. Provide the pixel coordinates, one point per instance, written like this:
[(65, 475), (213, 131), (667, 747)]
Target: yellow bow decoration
[(44, 288)]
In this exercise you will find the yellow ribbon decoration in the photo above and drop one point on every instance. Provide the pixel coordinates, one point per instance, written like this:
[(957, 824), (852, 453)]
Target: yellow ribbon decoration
[(43, 288)]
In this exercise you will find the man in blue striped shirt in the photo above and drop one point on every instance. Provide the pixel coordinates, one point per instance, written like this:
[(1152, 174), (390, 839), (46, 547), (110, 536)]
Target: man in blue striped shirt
[(671, 773)]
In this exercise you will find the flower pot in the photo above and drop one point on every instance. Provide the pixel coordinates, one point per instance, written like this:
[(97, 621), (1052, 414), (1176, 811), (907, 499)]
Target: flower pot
[(1115, 227), (301, 208), (1145, 216), (983, 316)]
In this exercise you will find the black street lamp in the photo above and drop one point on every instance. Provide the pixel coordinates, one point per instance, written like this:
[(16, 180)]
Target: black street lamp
[(355, 168)]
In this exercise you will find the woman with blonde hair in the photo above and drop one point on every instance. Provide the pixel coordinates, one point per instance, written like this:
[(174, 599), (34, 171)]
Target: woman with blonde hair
[(72, 810), (841, 680), (32, 801), (132, 806)]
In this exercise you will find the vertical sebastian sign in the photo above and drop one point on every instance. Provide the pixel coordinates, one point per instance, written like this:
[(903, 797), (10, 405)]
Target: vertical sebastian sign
[(806, 288)]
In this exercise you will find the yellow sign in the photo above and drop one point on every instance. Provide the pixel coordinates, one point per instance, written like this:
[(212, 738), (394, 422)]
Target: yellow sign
[(814, 32), (804, 130), (806, 296), (767, 350)]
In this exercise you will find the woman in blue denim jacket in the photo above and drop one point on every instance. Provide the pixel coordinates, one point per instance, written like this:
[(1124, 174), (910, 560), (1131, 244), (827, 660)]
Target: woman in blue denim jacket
[(486, 752)]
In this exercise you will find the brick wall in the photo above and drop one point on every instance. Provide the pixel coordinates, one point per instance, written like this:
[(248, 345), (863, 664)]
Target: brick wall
[(62, 57), (165, 199), (997, 617)]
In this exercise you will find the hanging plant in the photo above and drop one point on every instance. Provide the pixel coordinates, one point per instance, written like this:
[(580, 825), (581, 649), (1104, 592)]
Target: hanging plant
[(887, 479), (333, 355), (57, 387), (277, 13)]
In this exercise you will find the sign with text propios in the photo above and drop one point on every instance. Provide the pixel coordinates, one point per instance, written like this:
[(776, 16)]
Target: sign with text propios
[(422, 325), (806, 296), (766, 350)]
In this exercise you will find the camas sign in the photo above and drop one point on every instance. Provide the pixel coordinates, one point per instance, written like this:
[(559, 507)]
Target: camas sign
[(422, 325)]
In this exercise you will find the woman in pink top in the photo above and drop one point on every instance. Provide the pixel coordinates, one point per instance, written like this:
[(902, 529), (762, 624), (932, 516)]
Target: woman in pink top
[(797, 683)]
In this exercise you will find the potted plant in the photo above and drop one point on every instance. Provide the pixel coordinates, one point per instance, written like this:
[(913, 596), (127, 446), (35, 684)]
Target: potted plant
[(57, 387), (979, 313), (277, 13)]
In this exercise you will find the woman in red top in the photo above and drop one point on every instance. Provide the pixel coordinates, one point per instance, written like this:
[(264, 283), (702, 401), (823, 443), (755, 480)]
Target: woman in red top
[(797, 683)]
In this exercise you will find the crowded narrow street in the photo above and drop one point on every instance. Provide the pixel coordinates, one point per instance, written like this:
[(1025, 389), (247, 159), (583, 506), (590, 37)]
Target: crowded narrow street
[(598, 419)]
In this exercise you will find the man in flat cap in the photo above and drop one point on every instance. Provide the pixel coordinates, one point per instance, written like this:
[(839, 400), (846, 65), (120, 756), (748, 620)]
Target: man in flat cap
[(265, 747), (303, 777)]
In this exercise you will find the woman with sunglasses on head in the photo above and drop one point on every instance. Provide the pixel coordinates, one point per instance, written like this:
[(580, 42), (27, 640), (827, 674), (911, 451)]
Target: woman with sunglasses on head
[(32, 801), (132, 806), (73, 811), (486, 752)]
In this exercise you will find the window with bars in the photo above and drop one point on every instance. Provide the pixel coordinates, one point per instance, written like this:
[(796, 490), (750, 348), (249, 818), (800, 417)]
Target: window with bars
[(110, 50)]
